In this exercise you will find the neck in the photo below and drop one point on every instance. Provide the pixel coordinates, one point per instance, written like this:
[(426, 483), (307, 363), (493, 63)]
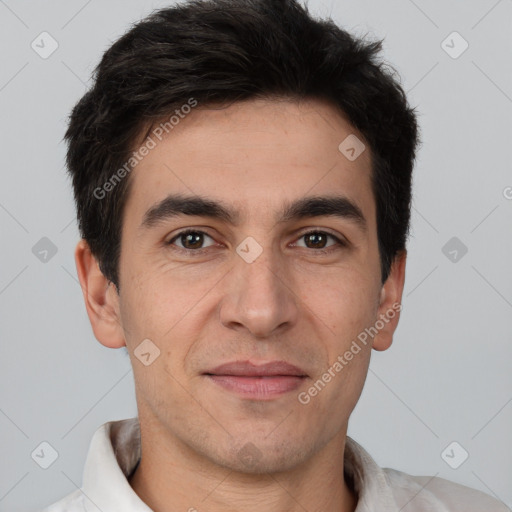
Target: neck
[(168, 479)]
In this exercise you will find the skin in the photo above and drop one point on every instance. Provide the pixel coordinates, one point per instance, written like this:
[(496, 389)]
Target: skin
[(292, 303)]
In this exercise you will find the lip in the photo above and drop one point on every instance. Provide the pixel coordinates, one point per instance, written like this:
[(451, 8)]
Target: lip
[(249, 369), (259, 382)]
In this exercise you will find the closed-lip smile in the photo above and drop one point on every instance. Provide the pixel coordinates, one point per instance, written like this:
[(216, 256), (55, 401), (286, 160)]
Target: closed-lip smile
[(257, 381)]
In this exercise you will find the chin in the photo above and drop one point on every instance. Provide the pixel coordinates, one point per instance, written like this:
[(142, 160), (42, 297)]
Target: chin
[(259, 457)]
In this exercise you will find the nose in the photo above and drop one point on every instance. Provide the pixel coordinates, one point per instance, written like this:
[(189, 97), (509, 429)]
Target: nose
[(259, 297)]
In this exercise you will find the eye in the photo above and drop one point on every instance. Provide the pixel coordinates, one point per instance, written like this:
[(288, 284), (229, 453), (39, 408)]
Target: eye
[(193, 240), (190, 239), (318, 240)]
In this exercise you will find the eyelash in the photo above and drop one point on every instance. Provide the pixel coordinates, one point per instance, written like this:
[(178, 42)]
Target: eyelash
[(340, 243)]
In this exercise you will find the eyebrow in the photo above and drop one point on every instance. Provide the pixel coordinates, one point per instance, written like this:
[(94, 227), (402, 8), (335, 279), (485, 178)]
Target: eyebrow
[(307, 207)]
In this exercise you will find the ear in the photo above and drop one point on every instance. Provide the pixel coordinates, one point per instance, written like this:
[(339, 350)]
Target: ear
[(101, 298), (390, 303)]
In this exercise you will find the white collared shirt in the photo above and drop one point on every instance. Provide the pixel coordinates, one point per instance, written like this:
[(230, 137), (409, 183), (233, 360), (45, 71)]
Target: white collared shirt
[(115, 451)]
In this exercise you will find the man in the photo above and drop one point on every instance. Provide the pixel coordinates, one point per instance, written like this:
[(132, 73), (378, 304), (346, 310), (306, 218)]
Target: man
[(242, 175)]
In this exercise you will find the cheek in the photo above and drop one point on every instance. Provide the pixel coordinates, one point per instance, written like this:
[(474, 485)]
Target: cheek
[(342, 299), (165, 307)]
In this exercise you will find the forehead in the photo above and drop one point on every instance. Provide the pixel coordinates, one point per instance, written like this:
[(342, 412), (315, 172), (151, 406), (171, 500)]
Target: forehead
[(255, 155)]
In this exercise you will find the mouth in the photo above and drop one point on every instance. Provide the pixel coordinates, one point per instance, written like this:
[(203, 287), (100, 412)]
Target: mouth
[(260, 382)]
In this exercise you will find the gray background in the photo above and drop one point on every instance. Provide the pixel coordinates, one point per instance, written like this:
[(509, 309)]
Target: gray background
[(447, 376)]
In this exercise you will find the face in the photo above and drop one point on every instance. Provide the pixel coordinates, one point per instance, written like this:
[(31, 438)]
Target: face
[(271, 287)]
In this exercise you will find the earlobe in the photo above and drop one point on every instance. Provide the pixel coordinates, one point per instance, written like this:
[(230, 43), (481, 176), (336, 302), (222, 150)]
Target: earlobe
[(389, 308), (101, 299)]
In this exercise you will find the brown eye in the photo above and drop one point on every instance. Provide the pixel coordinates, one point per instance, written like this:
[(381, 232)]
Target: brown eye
[(190, 240), (319, 240), (315, 240)]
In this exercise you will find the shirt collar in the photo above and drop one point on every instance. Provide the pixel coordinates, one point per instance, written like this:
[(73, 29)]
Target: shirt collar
[(115, 450), (368, 480), (113, 454)]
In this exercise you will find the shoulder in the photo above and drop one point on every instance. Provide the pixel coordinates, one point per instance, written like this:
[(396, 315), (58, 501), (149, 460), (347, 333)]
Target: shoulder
[(431, 493), (73, 502)]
